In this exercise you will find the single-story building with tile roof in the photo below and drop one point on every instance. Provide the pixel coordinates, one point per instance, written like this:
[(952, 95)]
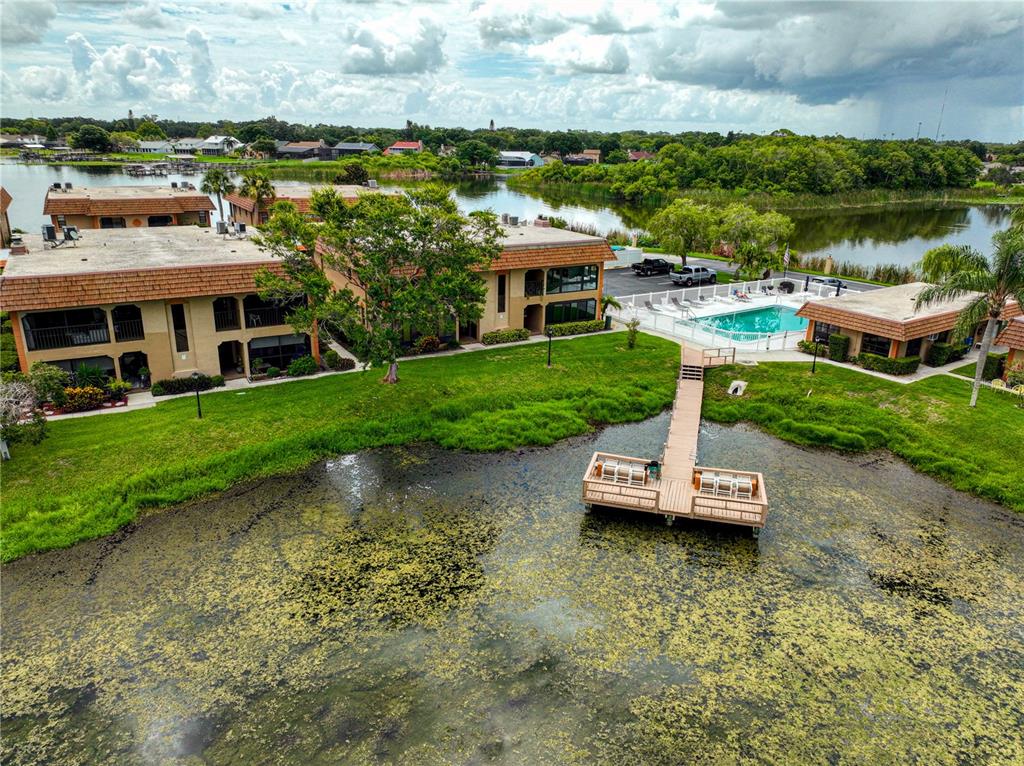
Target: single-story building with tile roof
[(885, 321), (245, 210), (127, 207), (1012, 337), (404, 147), (542, 276), (173, 300)]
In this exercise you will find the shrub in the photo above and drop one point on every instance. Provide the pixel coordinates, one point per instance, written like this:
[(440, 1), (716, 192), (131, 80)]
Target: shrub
[(332, 358), (808, 348), (118, 389), (82, 398), (901, 365), (575, 328), (838, 346), (273, 372), (508, 335), (304, 365), (427, 344), (90, 375), (1015, 375), (185, 385), (344, 363), (994, 365), (49, 382), (940, 354), (632, 329)]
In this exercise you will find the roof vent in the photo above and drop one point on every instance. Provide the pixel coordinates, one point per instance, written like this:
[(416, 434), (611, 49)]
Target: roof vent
[(67, 186), (18, 245)]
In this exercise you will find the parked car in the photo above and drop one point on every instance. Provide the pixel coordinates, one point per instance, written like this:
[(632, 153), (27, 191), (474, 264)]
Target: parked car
[(830, 281), (694, 275), (649, 266)]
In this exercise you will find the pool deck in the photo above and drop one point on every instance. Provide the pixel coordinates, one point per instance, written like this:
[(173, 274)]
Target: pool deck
[(682, 489)]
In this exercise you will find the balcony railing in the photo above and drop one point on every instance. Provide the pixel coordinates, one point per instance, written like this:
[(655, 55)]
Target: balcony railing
[(128, 329), (63, 337), (534, 288), (226, 320), (265, 317)]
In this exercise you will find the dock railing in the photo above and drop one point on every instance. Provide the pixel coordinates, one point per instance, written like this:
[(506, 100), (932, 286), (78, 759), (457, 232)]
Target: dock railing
[(730, 496), (620, 481)]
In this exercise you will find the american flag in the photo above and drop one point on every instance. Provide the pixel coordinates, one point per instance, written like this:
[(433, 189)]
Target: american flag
[(785, 258)]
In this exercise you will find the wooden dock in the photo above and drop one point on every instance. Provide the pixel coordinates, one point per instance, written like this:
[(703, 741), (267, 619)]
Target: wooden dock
[(675, 486)]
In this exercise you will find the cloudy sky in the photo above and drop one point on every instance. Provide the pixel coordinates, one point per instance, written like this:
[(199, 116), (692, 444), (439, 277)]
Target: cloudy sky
[(860, 69)]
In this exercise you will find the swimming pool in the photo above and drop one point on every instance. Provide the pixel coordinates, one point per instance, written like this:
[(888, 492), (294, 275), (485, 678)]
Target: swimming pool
[(768, 319)]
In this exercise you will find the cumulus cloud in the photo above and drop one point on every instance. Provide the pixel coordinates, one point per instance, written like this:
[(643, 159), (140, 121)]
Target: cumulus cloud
[(579, 52), (533, 21), (25, 21), (202, 71), (46, 83), (147, 15), (394, 45), (121, 71)]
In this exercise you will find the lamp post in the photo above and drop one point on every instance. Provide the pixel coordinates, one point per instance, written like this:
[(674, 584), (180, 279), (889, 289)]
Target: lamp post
[(199, 407), (814, 362), (548, 333)]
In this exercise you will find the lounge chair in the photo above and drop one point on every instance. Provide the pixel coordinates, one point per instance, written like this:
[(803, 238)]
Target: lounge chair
[(681, 305)]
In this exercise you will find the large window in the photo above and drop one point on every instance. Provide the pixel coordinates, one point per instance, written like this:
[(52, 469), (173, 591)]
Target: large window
[(571, 279), (62, 329), (502, 283), (111, 223), (570, 311), (278, 350), (875, 344), (823, 329), (127, 323), (105, 363), (180, 329)]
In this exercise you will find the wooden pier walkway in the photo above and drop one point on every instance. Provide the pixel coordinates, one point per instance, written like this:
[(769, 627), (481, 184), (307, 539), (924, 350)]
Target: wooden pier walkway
[(676, 486)]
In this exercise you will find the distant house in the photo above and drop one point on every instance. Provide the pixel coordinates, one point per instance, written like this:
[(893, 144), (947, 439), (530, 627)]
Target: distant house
[(21, 141), (586, 157), (594, 154), (348, 148), (186, 147), (405, 147), (153, 147), (219, 146), (519, 160), (303, 150), (639, 154), (246, 210)]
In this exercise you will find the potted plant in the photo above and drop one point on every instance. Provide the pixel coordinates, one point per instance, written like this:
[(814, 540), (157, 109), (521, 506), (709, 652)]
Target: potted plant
[(144, 374)]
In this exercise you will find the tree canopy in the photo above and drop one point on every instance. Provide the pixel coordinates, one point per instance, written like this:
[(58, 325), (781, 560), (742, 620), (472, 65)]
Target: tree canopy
[(91, 137), (413, 262)]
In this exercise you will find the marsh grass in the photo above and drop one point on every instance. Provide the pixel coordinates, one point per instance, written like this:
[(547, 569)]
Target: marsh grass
[(93, 475), (927, 423)]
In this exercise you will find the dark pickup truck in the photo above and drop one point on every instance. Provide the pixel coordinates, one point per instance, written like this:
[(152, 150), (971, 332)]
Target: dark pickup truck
[(649, 266)]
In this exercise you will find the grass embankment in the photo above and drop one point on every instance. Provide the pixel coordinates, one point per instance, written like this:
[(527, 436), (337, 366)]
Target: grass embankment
[(93, 475), (927, 423)]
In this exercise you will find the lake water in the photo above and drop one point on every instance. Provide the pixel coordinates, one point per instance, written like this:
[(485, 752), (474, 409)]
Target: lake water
[(897, 235), (416, 606)]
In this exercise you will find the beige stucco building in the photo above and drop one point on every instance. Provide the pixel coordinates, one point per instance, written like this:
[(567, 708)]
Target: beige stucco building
[(542, 276), (173, 300), (126, 207), (245, 210)]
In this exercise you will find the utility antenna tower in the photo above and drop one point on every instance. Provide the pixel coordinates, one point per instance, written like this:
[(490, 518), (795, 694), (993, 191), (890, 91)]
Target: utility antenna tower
[(942, 111)]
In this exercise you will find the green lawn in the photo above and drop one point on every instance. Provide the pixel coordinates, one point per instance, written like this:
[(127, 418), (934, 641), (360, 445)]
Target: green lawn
[(92, 475), (927, 423)]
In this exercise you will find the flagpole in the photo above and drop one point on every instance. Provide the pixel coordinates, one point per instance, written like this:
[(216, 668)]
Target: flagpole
[(785, 262)]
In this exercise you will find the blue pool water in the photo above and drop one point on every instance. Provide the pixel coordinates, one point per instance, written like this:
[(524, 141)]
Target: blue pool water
[(762, 320)]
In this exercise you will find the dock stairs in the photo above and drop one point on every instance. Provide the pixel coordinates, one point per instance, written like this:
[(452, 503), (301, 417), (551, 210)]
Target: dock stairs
[(691, 372)]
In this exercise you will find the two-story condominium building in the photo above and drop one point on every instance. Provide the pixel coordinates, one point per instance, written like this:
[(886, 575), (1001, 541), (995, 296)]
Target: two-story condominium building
[(175, 301), (543, 276), (245, 210), (127, 207)]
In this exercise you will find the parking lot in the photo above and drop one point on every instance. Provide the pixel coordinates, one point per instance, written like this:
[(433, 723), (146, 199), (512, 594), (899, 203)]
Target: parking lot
[(624, 282)]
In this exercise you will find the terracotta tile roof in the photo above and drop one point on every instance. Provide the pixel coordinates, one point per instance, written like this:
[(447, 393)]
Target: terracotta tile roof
[(96, 288), (406, 145), (5, 199), (125, 200), (299, 196), (1013, 334)]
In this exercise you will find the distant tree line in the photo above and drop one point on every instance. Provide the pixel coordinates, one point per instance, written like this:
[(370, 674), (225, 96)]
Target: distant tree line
[(774, 164)]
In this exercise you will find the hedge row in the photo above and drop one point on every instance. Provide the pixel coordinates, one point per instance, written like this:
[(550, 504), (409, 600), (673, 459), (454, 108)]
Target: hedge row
[(808, 348), (504, 336), (575, 328), (902, 365), (943, 353), (838, 347), (170, 386)]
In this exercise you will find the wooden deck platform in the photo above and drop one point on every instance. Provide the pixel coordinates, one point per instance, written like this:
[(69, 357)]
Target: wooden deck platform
[(683, 489)]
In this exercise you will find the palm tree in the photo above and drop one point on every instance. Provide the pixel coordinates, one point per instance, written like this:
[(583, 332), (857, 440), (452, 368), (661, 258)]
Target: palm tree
[(256, 185), (609, 302), (216, 181), (960, 271)]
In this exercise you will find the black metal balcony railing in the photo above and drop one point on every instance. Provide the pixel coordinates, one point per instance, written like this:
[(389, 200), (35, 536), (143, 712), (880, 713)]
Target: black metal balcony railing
[(534, 288), (226, 320), (265, 317), (63, 337), (128, 329)]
